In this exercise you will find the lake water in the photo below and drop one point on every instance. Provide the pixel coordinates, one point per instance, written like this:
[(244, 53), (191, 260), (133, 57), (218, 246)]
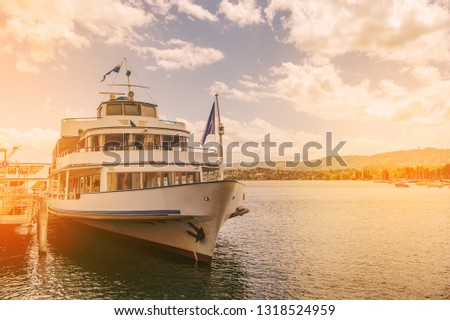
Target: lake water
[(301, 240)]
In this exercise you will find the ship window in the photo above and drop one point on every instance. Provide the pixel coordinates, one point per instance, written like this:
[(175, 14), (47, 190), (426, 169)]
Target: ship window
[(149, 111), (138, 141), (113, 141), (186, 177), (112, 181), (150, 179), (177, 177), (101, 110), (114, 109), (62, 183), (93, 142), (193, 177), (84, 184), (167, 142), (151, 141), (179, 141), (165, 179), (156, 179), (95, 186), (135, 180), (132, 110), (123, 181)]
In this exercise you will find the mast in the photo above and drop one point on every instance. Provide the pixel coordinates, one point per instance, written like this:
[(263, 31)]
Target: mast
[(221, 132), (128, 84), (128, 74)]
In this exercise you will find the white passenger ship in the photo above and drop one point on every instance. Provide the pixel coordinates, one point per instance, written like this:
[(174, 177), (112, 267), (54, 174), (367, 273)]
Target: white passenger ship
[(129, 172)]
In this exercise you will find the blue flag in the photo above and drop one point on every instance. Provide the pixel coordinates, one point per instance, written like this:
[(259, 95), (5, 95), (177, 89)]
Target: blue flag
[(115, 69), (211, 124)]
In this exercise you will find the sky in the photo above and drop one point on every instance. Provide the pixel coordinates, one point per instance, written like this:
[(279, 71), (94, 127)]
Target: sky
[(374, 73)]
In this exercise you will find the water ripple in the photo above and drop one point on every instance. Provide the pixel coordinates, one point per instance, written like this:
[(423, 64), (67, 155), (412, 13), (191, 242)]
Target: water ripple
[(302, 240)]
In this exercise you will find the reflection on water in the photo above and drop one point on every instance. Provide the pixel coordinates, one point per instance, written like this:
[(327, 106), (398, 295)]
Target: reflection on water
[(301, 240), (84, 263)]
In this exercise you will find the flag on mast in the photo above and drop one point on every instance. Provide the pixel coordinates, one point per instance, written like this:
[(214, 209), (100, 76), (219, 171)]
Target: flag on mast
[(210, 124), (115, 69)]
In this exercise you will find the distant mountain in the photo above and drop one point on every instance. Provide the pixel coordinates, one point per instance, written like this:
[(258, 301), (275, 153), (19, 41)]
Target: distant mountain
[(403, 158), (394, 159)]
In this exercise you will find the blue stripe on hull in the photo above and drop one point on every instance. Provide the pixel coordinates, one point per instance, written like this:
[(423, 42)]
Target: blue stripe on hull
[(137, 212)]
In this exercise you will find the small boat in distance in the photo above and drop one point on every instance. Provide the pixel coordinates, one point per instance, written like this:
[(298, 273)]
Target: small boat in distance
[(129, 172), (401, 185)]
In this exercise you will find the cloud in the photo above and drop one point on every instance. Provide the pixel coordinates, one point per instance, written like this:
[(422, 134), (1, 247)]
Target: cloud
[(400, 30), (248, 84), (41, 31), (361, 144), (23, 64), (194, 10), (181, 55), (255, 131), (36, 144), (114, 21), (163, 7), (426, 104), (243, 13), (237, 94), (316, 86), (426, 74), (61, 111)]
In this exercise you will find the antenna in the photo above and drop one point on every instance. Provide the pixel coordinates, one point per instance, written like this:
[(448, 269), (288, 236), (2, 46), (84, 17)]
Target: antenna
[(128, 85)]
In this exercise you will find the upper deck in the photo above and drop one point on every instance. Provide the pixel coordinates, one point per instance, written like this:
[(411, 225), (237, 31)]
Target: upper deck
[(119, 112)]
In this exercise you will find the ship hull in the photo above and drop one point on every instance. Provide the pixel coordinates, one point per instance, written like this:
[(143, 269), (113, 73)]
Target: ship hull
[(185, 219)]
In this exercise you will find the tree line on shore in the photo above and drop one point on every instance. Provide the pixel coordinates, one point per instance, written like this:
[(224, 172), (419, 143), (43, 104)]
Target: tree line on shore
[(408, 173)]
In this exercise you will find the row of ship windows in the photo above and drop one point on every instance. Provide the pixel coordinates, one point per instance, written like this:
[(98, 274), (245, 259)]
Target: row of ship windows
[(79, 184), (129, 140), (125, 181), (128, 109), (138, 180)]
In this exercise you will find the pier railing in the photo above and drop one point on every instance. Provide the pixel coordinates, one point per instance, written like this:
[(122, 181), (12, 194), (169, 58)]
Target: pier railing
[(17, 206)]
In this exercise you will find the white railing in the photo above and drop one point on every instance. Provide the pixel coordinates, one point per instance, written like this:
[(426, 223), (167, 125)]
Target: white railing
[(180, 147)]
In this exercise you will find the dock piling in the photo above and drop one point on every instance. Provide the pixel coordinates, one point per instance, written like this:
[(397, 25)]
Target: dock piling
[(42, 224)]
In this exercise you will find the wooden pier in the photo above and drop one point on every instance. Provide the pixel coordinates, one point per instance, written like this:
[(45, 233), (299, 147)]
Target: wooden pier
[(22, 197), (18, 208), (27, 210)]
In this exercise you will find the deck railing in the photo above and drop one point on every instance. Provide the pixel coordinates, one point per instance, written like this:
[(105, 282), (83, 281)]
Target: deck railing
[(182, 146), (79, 119), (16, 201)]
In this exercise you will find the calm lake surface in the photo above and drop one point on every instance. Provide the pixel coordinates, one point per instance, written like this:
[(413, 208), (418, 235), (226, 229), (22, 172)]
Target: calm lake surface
[(301, 240)]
